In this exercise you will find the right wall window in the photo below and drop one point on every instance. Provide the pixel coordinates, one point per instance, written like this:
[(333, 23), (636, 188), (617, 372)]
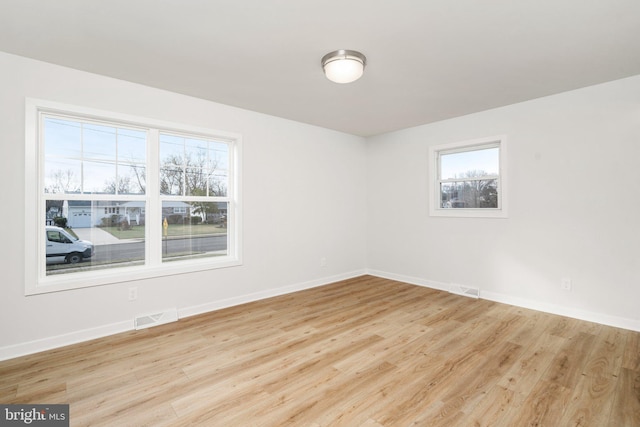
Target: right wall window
[(468, 178)]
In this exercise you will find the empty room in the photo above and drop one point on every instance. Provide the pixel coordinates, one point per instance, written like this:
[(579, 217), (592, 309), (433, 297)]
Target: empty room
[(356, 213)]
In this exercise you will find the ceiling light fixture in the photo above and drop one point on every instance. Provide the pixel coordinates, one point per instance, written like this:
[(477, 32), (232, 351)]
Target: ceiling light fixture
[(344, 66)]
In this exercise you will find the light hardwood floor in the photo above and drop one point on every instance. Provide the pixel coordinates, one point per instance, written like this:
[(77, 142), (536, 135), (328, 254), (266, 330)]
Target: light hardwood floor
[(362, 352)]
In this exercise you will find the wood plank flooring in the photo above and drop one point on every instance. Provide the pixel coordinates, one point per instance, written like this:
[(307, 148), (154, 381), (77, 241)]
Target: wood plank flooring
[(362, 352)]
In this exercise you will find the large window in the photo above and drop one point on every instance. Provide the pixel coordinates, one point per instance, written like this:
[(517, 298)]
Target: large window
[(119, 198), (469, 178)]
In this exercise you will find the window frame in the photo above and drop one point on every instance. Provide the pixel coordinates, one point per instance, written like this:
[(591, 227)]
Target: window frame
[(435, 153), (36, 280)]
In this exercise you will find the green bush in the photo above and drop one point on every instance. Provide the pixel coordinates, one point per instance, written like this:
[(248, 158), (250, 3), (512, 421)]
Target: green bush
[(174, 219), (111, 221), (195, 220), (60, 221)]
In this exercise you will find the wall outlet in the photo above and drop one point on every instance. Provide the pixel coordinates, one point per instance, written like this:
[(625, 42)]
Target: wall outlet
[(133, 293), (323, 262), (565, 284)]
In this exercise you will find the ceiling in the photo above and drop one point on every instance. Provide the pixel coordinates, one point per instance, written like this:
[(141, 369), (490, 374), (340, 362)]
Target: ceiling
[(428, 60)]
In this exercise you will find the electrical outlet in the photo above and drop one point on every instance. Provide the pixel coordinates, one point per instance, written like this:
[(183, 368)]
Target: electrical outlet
[(133, 293), (565, 284), (323, 262)]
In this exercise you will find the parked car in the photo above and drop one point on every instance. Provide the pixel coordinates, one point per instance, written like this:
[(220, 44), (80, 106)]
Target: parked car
[(64, 247)]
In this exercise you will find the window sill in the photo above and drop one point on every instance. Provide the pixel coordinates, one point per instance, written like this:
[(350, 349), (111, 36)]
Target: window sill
[(65, 282), (469, 213)]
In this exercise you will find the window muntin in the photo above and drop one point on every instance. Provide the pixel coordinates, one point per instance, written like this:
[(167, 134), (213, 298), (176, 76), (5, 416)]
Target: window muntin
[(103, 173), (84, 157), (468, 178)]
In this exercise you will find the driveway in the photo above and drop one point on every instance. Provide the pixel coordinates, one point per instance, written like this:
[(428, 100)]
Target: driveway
[(97, 236)]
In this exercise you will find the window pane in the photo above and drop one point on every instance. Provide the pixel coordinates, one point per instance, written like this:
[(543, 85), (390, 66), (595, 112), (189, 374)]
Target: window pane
[(62, 138), (93, 158), (196, 181), (99, 142), (218, 184), (171, 180), (196, 166), (194, 230), (132, 179), (195, 146), (171, 165), (193, 167), (99, 177), (469, 194), (132, 158), (470, 164), (132, 146), (219, 169), (63, 154), (85, 235), (62, 175)]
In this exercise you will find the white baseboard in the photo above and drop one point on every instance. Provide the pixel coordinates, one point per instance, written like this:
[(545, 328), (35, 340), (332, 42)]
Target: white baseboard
[(589, 316), (256, 296), (35, 346), (49, 343), (410, 279), (603, 319)]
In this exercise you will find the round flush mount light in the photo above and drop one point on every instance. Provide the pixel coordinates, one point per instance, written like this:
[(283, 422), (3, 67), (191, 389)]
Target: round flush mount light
[(343, 66)]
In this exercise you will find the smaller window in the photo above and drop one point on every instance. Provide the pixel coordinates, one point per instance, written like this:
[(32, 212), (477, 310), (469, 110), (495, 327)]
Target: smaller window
[(468, 179)]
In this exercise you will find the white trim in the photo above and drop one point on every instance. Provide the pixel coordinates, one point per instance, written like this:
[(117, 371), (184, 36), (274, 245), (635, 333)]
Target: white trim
[(127, 119), (31, 197), (269, 293), (37, 282), (35, 346), (49, 343), (72, 281), (410, 280), (589, 316), (461, 146)]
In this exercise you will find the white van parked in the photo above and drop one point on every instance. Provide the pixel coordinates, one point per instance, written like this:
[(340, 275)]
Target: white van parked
[(64, 247)]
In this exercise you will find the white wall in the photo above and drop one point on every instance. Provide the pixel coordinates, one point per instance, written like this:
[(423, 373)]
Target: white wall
[(303, 199), (574, 206), (311, 193)]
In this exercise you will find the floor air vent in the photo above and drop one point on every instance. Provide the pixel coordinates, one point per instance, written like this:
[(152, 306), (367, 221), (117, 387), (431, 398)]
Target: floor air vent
[(466, 291), (155, 319)]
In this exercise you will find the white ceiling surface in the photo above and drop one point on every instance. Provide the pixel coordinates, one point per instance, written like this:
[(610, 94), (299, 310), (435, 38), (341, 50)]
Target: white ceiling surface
[(428, 60)]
